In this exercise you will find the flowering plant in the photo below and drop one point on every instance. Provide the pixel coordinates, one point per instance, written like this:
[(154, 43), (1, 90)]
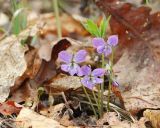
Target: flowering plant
[(96, 77)]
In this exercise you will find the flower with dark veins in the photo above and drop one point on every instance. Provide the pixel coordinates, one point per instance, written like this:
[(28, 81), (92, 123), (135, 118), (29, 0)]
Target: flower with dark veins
[(71, 61), (91, 78), (105, 47)]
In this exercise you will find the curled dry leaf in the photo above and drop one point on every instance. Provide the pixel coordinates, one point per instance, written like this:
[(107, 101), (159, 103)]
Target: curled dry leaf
[(62, 83), (13, 63), (48, 68), (153, 116), (28, 118), (23, 93), (45, 51), (33, 64)]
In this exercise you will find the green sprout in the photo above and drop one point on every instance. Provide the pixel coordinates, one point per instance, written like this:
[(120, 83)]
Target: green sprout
[(19, 18), (96, 31)]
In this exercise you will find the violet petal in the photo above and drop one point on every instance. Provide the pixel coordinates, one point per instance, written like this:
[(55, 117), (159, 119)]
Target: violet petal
[(100, 49), (113, 40), (79, 71), (98, 72), (86, 70), (87, 82), (98, 42), (64, 56), (80, 56), (65, 67), (97, 80)]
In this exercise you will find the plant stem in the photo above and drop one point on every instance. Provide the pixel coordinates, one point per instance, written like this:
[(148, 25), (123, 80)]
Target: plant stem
[(95, 98), (147, 2), (90, 101), (109, 93), (110, 80), (56, 10), (102, 88), (99, 98)]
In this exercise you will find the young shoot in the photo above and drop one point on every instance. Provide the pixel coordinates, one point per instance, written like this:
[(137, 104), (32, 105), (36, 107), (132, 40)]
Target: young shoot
[(19, 18)]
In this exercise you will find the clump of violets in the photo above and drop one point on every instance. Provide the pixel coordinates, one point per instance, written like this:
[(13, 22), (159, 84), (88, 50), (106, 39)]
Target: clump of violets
[(71, 64), (90, 78)]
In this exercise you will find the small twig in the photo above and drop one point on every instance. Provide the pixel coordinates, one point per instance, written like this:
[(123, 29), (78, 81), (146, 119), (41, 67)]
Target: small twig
[(67, 104)]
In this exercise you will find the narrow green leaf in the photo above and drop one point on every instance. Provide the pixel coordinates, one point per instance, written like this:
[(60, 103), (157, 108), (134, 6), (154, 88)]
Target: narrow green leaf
[(103, 26), (92, 28), (19, 19)]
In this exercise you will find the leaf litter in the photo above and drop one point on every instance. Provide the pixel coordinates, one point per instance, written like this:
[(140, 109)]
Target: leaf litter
[(35, 65)]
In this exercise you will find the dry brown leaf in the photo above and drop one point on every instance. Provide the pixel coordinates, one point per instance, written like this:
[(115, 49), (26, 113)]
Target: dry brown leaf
[(115, 122), (54, 112), (28, 118), (23, 93), (13, 63), (48, 69), (45, 51), (62, 83), (70, 27), (153, 116), (138, 69), (138, 75)]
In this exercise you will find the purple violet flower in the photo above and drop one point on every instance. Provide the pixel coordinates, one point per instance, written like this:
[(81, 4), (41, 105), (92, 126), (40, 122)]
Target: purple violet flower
[(103, 47), (71, 61), (91, 78)]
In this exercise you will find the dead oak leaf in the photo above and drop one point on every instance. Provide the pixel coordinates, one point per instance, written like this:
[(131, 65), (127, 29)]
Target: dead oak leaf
[(63, 83)]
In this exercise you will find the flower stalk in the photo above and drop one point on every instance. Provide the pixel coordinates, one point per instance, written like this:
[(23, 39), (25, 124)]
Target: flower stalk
[(89, 99), (110, 80), (102, 87)]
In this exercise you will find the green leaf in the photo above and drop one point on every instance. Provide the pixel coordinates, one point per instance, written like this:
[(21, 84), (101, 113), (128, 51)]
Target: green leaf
[(103, 26), (92, 28), (19, 18)]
